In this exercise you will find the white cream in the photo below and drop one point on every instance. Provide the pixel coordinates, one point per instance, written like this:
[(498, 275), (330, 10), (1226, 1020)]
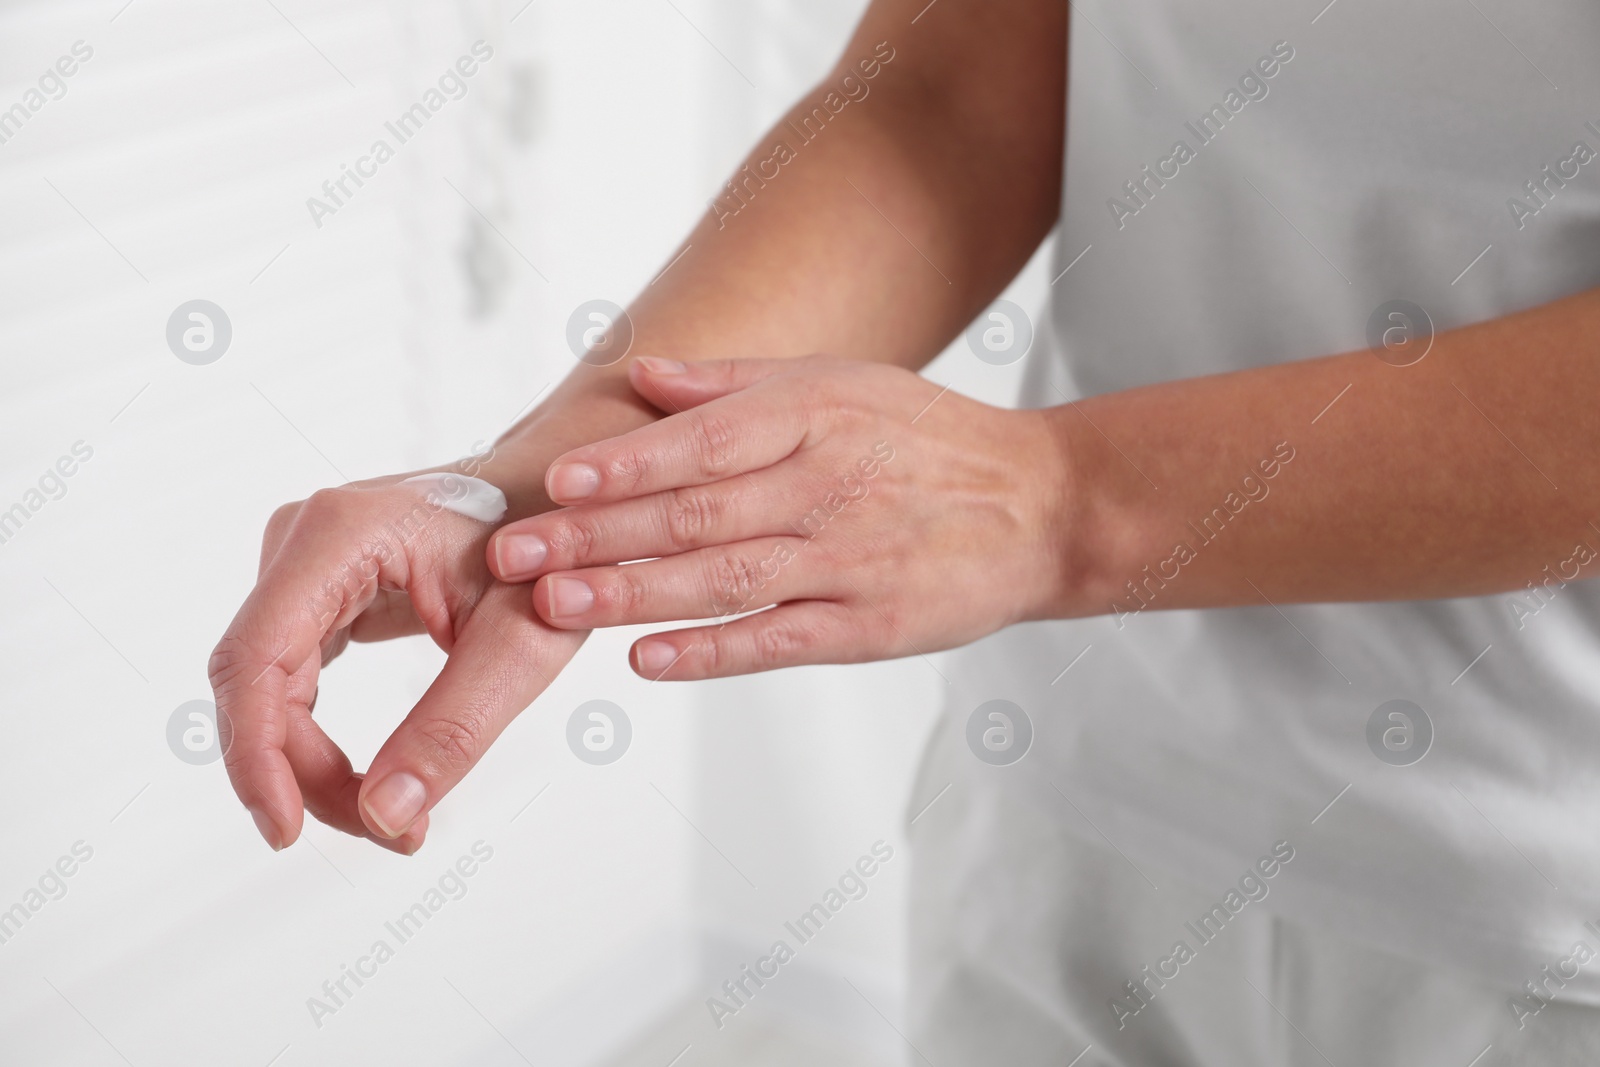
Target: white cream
[(472, 497)]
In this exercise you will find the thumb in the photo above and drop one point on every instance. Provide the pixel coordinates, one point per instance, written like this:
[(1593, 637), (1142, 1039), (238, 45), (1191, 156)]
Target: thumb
[(673, 386), (503, 659)]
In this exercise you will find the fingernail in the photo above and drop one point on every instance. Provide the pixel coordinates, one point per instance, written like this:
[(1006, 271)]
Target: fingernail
[(570, 596), (655, 656), (267, 829), (519, 555), (572, 481), (657, 365), (395, 803)]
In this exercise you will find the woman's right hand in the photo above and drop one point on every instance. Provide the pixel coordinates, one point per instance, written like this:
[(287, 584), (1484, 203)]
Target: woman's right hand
[(366, 562)]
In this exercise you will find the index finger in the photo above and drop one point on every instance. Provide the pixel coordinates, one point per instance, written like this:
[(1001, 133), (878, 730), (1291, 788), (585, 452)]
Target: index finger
[(725, 437), (504, 658), (279, 627)]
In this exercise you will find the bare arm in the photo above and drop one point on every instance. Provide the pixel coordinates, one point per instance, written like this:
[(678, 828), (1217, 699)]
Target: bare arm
[(1466, 473), (880, 517), (879, 239), (924, 182)]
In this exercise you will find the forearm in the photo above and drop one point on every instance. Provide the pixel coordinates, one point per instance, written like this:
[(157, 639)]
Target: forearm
[(1465, 474), (874, 234)]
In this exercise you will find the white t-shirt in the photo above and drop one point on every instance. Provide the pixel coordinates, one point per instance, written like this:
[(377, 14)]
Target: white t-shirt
[(1334, 162)]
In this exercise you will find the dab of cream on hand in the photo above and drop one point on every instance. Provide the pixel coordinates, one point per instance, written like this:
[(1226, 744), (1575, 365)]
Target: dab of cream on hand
[(472, 497)]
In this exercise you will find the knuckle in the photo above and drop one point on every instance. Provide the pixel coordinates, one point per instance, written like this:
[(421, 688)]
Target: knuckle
[(285, 513), (329, 501), (827, 384), (890, 626), (281, 519), (630, 469), (844, 413), (779, 644), (732, 579), (450, 745), (716, 439), (708, 651), (690, 515), (889, 611), (574, 540), (624, 591), (237, 762), (228, 663)]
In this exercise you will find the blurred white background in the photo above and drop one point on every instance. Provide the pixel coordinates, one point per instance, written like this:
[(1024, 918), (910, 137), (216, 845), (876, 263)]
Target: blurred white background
[(418, 321)]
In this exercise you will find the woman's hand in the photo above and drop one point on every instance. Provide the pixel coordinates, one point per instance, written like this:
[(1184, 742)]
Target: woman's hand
[(366, 562), (882, 516)]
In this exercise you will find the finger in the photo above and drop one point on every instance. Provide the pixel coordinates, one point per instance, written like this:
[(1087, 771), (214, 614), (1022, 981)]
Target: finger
[(281, 625), (322, 770), (331, 788), (673, 386), (502, 660), (728, 436), (792, 634), (661, 524), (299, 694), (278, 524), (271, 639), (251, 726), (707, 583)]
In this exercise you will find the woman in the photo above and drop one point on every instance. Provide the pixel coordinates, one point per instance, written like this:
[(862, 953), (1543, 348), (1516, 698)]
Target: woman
[(1305, 491)]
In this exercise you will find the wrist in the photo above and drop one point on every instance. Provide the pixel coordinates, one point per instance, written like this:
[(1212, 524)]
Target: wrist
[(1090, 525), (591, 405)]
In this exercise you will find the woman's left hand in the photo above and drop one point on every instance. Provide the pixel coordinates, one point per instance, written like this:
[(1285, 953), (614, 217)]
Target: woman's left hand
[(883, 517)]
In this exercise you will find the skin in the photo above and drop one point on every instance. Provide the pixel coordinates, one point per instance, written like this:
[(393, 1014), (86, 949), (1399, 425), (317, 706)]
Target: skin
[(1409, 488), (876, 245)]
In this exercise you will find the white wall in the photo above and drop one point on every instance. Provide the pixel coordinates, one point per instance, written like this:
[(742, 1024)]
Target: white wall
[(399, 333)]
